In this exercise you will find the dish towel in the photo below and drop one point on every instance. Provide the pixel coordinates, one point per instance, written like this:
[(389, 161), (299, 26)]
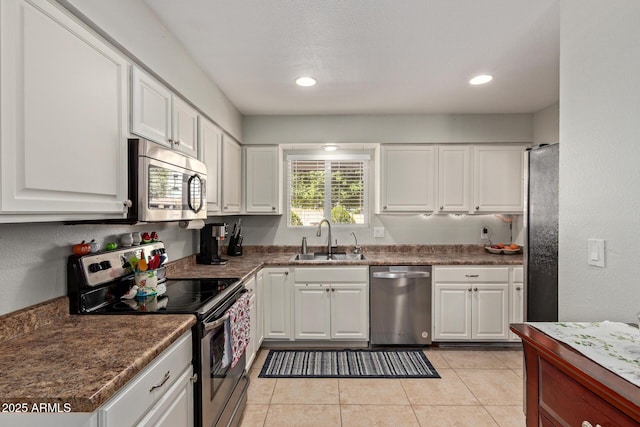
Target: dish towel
[(239, 328)]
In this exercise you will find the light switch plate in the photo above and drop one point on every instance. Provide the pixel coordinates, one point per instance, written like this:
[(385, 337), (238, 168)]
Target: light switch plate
[(595, 252), (378, 231)]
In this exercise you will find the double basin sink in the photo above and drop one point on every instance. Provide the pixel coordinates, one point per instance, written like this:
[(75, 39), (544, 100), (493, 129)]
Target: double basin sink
[(320, 256)]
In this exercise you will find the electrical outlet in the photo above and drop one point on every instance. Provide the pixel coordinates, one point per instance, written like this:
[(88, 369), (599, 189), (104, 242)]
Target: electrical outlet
[(484, 233), (378, 231)]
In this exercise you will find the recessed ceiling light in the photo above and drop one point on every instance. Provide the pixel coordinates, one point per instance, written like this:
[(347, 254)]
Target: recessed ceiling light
[(330, 147), (481, 79), (306, 81)]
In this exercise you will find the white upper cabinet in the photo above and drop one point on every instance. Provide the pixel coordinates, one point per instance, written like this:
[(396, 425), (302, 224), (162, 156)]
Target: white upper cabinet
[(231, 176), (498, 184), (407, 178), (150, 108), (185, 127), (210, 137), (63, 117), (159, 115), (263, 179), (453, 178)]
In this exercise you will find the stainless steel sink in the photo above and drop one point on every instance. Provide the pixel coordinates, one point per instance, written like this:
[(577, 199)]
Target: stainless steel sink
[(319, 256)]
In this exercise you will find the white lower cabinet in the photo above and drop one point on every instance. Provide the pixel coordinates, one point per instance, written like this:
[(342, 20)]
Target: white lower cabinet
[(517, 299), (471, 303), (252, 347), (278, 304), (160, 395), (331, 303)]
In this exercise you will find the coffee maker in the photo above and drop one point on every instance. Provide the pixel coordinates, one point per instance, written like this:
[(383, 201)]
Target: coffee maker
[(211, 237)]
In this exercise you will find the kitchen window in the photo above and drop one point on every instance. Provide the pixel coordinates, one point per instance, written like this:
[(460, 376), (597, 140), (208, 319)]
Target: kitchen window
[(328, 186)]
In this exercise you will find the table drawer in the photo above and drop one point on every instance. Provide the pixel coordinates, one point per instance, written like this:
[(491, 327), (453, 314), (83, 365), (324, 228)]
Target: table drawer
[(569, 403)]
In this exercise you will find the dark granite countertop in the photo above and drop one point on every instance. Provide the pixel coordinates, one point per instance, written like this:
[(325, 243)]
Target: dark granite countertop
[(258, 257), (50, 356)]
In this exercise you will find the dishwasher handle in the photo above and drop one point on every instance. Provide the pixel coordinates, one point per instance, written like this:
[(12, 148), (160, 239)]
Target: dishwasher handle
[(401, 274)]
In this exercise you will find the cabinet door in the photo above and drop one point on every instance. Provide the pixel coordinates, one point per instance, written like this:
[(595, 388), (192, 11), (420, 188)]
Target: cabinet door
[(312, 312), (175, 408), (408, 178), (490, 312), (453, 178), (185, 127), (498, 179), (349, 311), (277, 304), (517, 300), (150, 108), (64, 113), (263, 189), (231, 175), (253, 321), (452, 312), (210, 137), (260, 308)]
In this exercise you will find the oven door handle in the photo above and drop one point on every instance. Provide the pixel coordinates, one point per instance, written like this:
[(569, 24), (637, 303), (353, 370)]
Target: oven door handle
[(216, 323)]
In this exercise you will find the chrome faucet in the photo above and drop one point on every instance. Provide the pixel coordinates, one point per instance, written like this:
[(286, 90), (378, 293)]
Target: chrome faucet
[(356, 249), (319, 233)]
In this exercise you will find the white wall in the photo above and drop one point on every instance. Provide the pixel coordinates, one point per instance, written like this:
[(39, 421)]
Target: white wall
[(33, 257), (133, 25), (546, 125), (599, 158), (428, 128)]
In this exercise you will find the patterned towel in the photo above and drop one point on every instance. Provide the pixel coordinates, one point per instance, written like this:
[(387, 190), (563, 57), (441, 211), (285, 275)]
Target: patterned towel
[(239, 328)]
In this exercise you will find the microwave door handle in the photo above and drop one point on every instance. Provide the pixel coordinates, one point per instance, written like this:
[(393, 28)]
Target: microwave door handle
[(189, 184)]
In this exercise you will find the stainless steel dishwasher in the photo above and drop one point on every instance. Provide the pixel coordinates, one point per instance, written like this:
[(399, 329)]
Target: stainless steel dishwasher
[(400, 305)]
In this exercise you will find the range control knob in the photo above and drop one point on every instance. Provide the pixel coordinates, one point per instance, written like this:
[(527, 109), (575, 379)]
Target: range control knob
[(105, 265), (95, 267)]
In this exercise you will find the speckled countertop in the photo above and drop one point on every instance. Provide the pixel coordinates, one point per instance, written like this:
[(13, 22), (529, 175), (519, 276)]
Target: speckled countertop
[(256, 257), (50, 356)]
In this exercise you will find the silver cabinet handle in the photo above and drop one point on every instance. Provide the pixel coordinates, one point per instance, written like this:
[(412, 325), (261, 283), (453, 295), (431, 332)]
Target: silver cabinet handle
[(401, 275), (471, 275), (216, 323), (164, 380), (194, 378), (588, 424), (127, 203)]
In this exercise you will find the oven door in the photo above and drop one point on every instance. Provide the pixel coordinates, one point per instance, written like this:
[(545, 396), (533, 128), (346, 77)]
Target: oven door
[(223, 387)]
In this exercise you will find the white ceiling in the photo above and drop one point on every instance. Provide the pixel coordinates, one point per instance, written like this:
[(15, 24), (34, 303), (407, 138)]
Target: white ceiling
[(373, 56)]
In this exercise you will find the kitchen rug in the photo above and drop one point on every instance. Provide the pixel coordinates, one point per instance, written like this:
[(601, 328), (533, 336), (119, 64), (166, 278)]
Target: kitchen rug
[(347, 364)]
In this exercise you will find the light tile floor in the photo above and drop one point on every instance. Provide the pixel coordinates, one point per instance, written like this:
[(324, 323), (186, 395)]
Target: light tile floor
[(479, 387)]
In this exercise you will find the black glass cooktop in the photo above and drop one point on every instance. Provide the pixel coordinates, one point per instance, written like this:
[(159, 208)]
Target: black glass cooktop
[(182, 296)]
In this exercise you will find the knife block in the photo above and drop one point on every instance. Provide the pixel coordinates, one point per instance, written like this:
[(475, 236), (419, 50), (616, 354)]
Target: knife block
[(235, 248)]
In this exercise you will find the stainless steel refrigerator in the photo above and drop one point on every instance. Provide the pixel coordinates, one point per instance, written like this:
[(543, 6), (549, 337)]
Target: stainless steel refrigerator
[(541, 234)]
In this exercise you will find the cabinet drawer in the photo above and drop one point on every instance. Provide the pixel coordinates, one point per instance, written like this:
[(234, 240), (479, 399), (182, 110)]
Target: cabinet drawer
[(137, 396), (332, 274), (473, 274), (569, 403), (518, 275)]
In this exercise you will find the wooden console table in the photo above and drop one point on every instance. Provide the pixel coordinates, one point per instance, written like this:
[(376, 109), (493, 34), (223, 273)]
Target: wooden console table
[(565, 388)]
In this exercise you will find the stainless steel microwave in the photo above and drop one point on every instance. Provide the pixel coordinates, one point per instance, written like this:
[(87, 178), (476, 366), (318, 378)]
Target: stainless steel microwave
[(164, 185)]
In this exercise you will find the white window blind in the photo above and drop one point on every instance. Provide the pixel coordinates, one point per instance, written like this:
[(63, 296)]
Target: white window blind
[(332, 188)]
